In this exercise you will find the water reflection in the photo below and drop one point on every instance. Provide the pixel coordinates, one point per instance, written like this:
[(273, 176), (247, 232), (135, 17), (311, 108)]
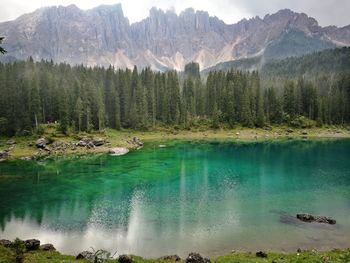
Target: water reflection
[(209, 198)]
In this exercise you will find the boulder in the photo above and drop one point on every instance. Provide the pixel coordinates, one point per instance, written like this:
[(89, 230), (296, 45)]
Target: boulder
[(47, 247), (261, 254), (118, 151), (90, 145), (196, 258), (5, 243), (84, 141), (325, 220), (32, 244), (137, 142), (172, 258), (319, 219), (86, 255), (42, 142), (11, 142), (98, 141), (306, 217), (125, 259), (4, 154)]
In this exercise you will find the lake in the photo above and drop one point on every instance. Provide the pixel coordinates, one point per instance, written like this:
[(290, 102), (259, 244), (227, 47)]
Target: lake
[(207, 197)]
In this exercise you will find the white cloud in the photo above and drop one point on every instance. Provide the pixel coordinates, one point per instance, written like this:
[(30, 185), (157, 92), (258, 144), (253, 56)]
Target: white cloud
[(326, 11)]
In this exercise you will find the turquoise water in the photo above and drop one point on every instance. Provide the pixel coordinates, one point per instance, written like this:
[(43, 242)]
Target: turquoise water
[(208, 197)]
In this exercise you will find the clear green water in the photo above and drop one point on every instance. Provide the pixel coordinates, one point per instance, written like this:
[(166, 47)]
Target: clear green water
[(205, 197)]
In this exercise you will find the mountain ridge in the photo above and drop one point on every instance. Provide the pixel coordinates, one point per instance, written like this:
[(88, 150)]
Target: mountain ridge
[(104, 36)]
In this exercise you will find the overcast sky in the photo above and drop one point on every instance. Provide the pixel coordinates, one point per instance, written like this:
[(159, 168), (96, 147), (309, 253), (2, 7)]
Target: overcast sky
[(327, 12)]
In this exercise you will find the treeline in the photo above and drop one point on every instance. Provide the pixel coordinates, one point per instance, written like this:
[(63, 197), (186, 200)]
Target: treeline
[(85, 99)]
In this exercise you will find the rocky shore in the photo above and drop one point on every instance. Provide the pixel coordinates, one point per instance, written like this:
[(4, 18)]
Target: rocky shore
[(32, 250)]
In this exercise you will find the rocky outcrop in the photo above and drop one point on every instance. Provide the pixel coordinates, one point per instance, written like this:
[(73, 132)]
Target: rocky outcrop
[(319, 219), (196, 258), (118, 151), (32, 244)]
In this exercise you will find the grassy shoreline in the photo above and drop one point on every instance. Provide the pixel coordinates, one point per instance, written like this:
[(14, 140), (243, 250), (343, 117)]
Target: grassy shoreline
[(25, 146), (335, 255)]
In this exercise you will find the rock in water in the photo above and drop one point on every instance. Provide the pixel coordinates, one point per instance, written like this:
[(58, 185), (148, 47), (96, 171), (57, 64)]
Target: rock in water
[(125, 259), (118, 151), (261, 254), (86, 255), (32, 244), (196, 258), (5, 242), (319, 219), (47, 247), (42, 142), (306, 217)]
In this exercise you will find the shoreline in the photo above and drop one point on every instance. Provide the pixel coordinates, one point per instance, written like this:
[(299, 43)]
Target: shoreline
[(48, 253), (25, 146)]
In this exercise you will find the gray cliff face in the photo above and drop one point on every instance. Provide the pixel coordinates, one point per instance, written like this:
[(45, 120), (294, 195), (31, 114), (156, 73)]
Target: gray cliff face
[(164, 40)]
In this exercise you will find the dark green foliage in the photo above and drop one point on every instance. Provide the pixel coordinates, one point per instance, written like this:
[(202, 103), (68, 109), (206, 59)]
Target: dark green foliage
[(192, 70), (86, 99), (19, 248)]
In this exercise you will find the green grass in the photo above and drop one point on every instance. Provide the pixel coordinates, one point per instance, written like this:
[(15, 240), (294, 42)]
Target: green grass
[(7, 255)]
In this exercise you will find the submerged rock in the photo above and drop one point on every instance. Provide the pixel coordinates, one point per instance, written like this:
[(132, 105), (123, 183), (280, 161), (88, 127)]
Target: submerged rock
[(32, 244), (196, 258), (47, 247), (261, 254), (125, 259), (5, 242), (319, 219), (118, 151)]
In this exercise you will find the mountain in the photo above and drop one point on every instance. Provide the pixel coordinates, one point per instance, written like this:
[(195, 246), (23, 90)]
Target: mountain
[(164, 40), (325, 61)]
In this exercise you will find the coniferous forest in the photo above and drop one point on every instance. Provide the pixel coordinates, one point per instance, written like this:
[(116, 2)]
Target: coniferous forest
[(85, 99)]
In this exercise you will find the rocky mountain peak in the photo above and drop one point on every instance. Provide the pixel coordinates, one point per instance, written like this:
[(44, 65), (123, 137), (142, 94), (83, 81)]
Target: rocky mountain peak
[(163, 40)]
